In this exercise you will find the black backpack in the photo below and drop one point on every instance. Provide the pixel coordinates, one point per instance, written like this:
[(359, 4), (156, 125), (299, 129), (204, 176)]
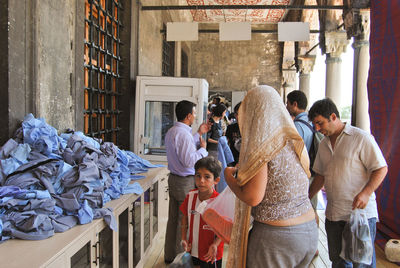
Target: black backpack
[(317, 137)]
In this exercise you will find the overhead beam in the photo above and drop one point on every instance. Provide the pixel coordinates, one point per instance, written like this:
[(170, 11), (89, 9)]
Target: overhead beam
[(208, 7), (253, 31)]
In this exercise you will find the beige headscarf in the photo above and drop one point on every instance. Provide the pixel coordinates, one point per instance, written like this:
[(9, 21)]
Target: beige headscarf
[(266, 127)]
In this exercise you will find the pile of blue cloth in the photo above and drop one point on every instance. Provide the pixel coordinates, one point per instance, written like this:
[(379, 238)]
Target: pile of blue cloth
[(50, 183)]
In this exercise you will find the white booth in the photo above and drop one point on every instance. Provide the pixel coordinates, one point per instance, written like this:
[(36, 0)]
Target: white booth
[(156, 98)]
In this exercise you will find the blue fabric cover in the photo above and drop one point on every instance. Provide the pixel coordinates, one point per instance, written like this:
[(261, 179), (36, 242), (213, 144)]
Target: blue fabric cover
[(50, 183)]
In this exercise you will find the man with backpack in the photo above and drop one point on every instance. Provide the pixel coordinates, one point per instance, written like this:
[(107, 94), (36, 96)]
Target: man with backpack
[(296, 105)]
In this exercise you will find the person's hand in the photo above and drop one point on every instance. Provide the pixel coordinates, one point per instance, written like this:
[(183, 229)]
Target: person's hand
[(203, 143), (204, 128), (229, 173), (186, 246), (361, 200), (211, 254)]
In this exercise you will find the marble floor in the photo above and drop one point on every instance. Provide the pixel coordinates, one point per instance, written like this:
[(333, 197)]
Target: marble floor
[(156, 257)]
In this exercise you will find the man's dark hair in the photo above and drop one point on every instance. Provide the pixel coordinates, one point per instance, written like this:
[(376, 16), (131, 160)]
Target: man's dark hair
[(209, 163), (236, 109), (299, 97), (219, 109), (183, 108), (217, 100), (324, 107)]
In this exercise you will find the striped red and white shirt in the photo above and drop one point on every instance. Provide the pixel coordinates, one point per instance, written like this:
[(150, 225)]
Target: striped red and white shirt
[(200, 234)]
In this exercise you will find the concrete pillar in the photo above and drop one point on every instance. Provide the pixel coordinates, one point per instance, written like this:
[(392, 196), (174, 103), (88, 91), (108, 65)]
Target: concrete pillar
[(360, 115), (306, 67), (336, 43)]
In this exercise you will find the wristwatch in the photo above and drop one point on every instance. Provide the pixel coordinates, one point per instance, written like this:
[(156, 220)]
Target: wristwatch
[(236, 173)]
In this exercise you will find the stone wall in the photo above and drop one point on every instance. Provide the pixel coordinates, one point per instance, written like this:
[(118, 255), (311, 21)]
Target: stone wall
[(236, 65), (150, 42), (40, 40), (44, 47), (55, 62), (42, 67), (151, 39)]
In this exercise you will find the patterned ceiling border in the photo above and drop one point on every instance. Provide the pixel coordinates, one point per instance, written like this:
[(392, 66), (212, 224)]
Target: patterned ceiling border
[(228, 15)]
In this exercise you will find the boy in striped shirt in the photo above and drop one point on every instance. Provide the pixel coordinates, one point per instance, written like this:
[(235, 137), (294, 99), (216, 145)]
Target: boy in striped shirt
[(202, 243)]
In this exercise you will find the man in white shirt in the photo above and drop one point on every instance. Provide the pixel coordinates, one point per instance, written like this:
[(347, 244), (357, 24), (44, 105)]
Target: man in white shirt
[(351, 166)]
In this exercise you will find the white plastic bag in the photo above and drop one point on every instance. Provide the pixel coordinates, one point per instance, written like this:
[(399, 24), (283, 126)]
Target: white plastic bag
[(357, 245), (182, 260), (219, 213)]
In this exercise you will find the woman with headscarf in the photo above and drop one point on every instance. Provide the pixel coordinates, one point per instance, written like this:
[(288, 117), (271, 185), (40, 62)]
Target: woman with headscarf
[(271, 182)]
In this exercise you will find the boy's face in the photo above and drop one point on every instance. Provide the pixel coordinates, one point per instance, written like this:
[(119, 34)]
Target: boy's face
[(205, 180)]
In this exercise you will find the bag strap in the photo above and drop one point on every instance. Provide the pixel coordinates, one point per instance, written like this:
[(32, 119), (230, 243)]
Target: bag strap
[(305, 123)]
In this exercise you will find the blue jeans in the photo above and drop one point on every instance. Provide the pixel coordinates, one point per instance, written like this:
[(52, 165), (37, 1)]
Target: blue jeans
[(334, 231)]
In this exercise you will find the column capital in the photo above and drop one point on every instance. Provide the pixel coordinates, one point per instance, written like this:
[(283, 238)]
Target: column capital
[(306, 63), (288, 63), (357, 23), (289, 76), (336, 42), (365, 23)]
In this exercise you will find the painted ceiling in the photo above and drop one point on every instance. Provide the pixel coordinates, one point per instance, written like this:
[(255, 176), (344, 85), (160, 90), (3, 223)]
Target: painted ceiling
[(228, 15)]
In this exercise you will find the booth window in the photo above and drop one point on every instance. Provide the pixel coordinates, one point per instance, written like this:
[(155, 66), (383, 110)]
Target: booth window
[(102, 69)]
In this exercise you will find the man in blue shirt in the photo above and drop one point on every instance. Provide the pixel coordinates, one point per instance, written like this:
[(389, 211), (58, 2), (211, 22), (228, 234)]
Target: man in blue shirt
[(296, 105), (183, 150)]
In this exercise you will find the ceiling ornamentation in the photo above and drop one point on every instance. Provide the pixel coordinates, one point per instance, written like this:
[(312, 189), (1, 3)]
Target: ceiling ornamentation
[(229, 15)]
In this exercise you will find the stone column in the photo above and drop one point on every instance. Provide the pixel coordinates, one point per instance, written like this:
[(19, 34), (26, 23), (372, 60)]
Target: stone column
[(304, 83), (360, 115), (336, 43), (288, 70), (306, 66), (289, 82)]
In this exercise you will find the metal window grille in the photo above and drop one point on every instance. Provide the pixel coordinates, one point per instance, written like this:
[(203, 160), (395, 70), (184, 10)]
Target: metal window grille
[(184, 65), (168, 58), (102, 69)]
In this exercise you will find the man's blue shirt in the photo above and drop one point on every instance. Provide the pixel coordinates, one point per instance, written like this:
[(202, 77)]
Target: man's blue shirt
[(182, 152), (304, 131)]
